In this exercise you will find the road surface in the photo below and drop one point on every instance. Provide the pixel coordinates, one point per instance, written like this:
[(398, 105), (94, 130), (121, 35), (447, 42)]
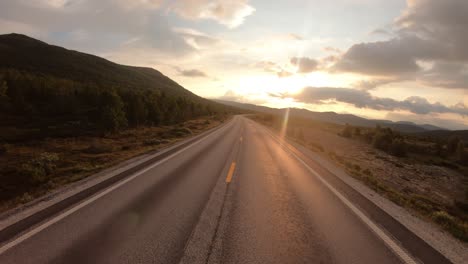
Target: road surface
[(275, 210)]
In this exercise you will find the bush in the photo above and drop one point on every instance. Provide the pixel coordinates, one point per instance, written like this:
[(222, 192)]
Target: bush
[(398, 147), (99, 148), (3, 149), (347, 131), (152, 142), (462, 156), (357, 132), (180, 132), (448, 222), (382, 141), (452, 144), (39, 168)]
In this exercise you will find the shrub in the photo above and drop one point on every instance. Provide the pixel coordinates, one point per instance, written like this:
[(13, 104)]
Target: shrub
[(398, 147), (3, 149), (452, 144), (152, 142), (382, 141), (462, 156), (444, 219), (347, 131), (39, 168), (99, 148), (357, 132), (316, 146), (180, 132), (126, 147)]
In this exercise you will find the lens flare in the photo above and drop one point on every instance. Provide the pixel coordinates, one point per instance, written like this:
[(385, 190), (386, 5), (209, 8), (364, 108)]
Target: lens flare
[(284, 126)]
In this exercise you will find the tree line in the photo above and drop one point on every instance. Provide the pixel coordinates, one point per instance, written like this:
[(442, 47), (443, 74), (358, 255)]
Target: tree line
[(395, 143), (38, 100)]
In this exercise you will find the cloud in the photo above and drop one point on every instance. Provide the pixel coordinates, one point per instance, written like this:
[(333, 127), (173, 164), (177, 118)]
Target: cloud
[(294, 36), (304, 64), (100, 21), (332, 50), (428, 31), (373, 83), (383, 58), (447, 75), (284, 74), (363, 99), (196, 39), (273, 67), (235, 97), (230, 13), (380, 31), (194, 73)]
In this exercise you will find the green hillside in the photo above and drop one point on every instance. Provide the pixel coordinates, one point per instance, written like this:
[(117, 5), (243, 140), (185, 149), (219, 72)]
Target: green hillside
[(47, 90)]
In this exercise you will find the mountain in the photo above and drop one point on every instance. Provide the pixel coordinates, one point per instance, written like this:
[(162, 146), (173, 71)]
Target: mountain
[(332, 117), (46, 90), (23, 53)]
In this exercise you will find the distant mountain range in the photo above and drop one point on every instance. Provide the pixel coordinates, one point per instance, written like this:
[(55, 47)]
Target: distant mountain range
[(332, 117)]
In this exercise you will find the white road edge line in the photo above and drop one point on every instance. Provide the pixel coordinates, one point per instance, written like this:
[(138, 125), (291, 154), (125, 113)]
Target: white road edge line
[(77, 207), (394, 246)]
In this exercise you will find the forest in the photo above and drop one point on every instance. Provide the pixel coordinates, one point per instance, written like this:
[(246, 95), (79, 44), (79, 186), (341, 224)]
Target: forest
[(48, 91)]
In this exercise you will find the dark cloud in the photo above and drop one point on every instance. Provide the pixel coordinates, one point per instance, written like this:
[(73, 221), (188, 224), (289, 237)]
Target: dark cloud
[(304, 64), (446, 74), (194, 73), (363, 99), (385, 58), (427, 31), (380, 31), (373, 83)]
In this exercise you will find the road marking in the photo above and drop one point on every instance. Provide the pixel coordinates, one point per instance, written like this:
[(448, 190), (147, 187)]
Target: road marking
[(396, 248), (231, 172), (240, 139), (70, 211)]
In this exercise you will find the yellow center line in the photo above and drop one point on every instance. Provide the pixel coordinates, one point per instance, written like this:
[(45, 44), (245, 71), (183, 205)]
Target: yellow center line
[(231, 172)]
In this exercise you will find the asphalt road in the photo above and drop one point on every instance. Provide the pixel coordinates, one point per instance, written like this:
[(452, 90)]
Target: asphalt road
[(275, 211)]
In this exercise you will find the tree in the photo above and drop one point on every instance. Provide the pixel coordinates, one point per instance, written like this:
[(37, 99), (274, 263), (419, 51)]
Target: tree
[(136, 109), (439, 149), (112, 111), (398, 147), (347, 131), (452, 144), (357, 132), (382, 140), (462, 156)]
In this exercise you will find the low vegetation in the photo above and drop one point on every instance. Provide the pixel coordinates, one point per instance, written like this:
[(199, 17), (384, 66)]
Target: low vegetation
[(29, 169), (402, 167)]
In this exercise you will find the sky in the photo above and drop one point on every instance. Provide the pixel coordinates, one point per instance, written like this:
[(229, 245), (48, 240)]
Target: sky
[(380, 59)]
